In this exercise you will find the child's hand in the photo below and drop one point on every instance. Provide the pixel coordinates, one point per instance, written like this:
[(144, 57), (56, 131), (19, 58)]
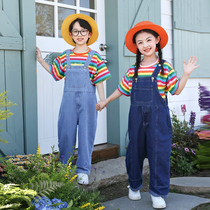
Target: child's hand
[(190, 66), (100, 105), (97, 107), (38, 55)]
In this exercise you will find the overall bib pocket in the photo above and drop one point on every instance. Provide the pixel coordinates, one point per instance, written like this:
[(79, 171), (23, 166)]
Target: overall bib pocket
[(143, 95)]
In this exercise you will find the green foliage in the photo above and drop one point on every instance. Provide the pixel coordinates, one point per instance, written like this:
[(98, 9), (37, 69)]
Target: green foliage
[(43, 188), (79, 196), (38, 168), (13, 197), (202, 155), (183, 135), (4, 113), (184, 144), (181, 164), (49, 177)]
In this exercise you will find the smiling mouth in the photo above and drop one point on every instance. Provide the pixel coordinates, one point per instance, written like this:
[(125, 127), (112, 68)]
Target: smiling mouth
[(147, 50), (80, 39)]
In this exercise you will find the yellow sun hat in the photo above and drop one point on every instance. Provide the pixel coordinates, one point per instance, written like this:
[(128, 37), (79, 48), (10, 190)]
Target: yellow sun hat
[(68, 20)]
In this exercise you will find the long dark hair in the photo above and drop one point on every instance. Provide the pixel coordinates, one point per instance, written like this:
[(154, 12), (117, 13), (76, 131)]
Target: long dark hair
[(138, 53)]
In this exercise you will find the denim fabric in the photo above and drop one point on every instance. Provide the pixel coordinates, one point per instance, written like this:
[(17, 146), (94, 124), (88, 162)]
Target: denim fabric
[(77, 111), (150, 134)]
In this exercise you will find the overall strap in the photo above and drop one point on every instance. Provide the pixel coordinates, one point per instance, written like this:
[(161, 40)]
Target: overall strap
[(135, 69), (88, 60), (68, 58), (157, 70)]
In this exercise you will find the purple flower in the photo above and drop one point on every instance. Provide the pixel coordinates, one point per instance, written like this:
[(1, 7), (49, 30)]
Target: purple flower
[(190, 132), (193, 151), (62, 157), (104, 172), (204, 98), (192, 119), (186, 149), (173, 145)]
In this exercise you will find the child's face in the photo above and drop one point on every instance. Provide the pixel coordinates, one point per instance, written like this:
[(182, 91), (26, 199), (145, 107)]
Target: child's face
[(146, 43), (79, 34)]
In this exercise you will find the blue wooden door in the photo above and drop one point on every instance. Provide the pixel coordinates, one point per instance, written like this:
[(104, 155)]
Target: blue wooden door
[(16, 56)]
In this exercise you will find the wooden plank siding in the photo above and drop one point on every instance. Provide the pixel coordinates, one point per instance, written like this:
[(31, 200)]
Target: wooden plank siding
[(189, 95), (191, 23)]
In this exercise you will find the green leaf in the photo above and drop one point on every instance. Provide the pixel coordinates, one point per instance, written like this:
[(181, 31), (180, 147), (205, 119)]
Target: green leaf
[(70, 204)]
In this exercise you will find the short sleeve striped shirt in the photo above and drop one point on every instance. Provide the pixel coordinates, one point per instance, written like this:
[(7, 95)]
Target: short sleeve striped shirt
[(97, 68), (166, 83)]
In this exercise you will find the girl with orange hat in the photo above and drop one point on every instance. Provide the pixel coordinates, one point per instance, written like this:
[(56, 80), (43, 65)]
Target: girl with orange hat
[(147, 82), (84, 70)]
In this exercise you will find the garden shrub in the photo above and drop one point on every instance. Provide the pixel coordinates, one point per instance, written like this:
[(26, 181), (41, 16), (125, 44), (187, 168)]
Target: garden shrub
[(52, 180), (184, 144)]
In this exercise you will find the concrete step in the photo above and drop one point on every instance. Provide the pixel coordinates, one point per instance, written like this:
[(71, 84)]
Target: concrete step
[(174, 201), (190, 184), (109, 172), (112, 171)]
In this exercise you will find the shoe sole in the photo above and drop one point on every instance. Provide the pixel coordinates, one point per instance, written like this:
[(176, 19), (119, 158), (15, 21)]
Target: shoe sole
[(159, 207), (134, 199)]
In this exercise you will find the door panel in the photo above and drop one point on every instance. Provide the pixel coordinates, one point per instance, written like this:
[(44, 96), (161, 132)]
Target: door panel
[(50, 91), (10, 76)]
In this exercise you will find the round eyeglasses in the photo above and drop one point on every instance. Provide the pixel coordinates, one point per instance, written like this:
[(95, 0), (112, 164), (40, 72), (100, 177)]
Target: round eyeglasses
[(83, 32)]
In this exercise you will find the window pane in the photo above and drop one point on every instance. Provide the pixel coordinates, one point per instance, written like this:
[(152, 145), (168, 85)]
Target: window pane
[(87, 4), (89, 14), (62, 14), (49, 0), (44, 20), (69, 2)]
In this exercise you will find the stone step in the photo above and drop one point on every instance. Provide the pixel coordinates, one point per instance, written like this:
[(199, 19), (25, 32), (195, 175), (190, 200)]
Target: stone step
[(106, 173), (190, 184)]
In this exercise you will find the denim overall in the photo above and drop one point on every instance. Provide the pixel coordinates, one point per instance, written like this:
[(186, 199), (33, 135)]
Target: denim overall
[(77, 110), (150, 134)]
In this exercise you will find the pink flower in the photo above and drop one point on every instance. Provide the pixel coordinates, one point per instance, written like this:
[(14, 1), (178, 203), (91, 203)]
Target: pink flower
[(186, 149), (183, 108), (205, 119)]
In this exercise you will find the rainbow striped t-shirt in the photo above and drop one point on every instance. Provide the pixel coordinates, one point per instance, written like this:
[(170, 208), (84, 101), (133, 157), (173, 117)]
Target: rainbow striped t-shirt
[(165, 83), (97, 69)]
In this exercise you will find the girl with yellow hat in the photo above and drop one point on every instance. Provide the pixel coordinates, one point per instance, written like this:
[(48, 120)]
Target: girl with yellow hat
[(84, 70), (150, 132)]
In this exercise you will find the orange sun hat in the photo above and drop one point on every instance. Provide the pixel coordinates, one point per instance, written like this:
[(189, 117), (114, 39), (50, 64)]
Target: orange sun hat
[(66, 23), (145, 25)]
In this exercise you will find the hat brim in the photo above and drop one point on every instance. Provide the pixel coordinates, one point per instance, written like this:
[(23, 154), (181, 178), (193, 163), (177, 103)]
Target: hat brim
[(158, 29), (68, 20)]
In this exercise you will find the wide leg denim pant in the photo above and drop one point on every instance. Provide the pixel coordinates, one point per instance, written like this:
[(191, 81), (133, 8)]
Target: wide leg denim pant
[(77, 111), (150, 134)]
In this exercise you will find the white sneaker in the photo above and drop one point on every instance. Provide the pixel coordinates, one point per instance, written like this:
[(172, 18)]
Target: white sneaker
[(134, 195), (82, 178), (158, 202)]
